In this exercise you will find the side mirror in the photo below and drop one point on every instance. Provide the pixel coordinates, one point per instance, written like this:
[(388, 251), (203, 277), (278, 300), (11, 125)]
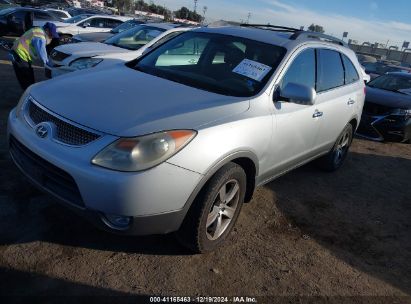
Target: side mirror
[(86, 25), (298, 93)]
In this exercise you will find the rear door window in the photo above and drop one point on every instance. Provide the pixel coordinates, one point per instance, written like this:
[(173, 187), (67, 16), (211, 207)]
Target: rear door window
[(97, 22), (330, 70)]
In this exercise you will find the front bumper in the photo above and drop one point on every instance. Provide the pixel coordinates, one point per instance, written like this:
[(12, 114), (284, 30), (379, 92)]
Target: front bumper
[(385, 127), (155, 199)]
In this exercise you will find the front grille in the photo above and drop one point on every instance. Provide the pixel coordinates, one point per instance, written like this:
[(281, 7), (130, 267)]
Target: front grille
[(376, 109), (45, 174), (58, 56), (65, 132)]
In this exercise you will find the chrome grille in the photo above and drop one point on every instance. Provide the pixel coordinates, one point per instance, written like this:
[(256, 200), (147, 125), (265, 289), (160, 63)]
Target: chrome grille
[(65, 132), (58, 56)]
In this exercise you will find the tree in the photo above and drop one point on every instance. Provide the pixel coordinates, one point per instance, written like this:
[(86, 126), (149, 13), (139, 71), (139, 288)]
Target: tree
[(185, 13), (123, 5), (316, 28)]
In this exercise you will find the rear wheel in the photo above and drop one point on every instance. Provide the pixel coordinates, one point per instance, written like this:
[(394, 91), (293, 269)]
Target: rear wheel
[(215, 210), (336, 157)]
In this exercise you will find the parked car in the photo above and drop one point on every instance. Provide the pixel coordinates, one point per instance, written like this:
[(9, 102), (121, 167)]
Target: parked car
[(178, 139), (125, 46), (62, 14), (88, 24), (387, 109), (366, 58), (375, 69), (12, 19), (7, 4), (101, 36)]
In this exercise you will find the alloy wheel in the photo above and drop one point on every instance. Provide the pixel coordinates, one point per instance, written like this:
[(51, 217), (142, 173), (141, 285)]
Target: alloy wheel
[(223, 209)]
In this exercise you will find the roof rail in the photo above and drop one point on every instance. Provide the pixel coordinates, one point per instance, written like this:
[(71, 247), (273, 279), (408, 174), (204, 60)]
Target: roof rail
[(270, 27), (306, 34)]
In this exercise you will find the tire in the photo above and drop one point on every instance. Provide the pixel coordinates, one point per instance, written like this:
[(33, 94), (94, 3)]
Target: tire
[(336, 157), (214, 212)]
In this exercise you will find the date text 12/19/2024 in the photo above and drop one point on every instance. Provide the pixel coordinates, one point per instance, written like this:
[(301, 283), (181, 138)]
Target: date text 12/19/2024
[(200, 299)]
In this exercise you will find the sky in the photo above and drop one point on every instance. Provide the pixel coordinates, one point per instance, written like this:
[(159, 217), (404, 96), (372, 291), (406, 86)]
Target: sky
[(365, 20)]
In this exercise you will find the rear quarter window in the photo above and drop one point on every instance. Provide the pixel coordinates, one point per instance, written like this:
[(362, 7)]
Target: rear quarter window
[(351, 74)]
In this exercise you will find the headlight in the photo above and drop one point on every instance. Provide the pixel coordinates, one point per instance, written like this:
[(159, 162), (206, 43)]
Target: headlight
[(143, 152), (402, 112), (85, 63)]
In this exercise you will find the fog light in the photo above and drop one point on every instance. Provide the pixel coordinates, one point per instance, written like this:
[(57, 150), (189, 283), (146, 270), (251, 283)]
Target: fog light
[(117, 222)]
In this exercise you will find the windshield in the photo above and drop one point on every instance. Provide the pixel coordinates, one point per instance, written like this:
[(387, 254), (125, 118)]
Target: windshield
[(125, 26), (392, 82), (135, 38), (217, 63), (76, 19)]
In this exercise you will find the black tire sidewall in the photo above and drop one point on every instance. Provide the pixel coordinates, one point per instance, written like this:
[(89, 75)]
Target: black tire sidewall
[(237, 173), (348, 128)]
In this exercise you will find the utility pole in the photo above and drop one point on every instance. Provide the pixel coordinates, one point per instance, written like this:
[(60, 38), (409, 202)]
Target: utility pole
[(195, 6), (248, 18), (205, 8)]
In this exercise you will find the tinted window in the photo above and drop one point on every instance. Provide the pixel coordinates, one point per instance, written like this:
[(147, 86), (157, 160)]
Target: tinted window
[(112, 23), (330, 70), (351, 74), (301, 70), (59, 14), (392, 82), (17, 16), (42, 16), (97, 22), (135, 37)]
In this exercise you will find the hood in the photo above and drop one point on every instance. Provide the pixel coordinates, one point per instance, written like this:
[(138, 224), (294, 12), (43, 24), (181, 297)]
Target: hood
[(125, 102), (388, 98), (93, 37), (89, 49)]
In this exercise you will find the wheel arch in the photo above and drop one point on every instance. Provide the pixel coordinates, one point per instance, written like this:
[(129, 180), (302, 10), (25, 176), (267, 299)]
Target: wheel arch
[(245, 159)]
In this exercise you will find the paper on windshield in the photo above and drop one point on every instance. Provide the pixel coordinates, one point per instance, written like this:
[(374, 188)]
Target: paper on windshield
[(252, 69)]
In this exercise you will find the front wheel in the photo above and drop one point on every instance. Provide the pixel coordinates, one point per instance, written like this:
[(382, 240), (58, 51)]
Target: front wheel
[(215, 210), (336, 157)]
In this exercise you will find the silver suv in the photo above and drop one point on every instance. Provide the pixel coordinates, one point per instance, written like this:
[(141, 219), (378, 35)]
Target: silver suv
[(177, 140)]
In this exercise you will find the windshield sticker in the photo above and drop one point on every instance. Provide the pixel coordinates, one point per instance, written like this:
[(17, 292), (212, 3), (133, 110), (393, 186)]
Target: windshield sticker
[(252, 69)]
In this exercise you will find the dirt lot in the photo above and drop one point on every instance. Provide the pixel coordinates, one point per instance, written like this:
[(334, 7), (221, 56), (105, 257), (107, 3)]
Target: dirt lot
[(308, 233)]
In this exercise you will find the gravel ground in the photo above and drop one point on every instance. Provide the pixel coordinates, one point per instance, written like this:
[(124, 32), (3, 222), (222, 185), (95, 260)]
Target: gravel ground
[(345, 235)]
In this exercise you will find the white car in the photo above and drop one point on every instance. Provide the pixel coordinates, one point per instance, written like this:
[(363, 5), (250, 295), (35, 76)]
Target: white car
[(87, 24), (59, 13), (165, 144), (125, 46)]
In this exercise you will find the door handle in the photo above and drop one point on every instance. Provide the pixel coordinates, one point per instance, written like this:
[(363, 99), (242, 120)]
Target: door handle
[(350, 102), (317, 114)]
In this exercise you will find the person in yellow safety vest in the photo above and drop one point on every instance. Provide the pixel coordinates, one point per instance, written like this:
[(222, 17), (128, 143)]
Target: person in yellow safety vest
[(30, 46)]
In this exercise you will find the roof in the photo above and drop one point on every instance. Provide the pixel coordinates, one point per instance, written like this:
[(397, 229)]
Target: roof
[(276, 35), (122, 18)]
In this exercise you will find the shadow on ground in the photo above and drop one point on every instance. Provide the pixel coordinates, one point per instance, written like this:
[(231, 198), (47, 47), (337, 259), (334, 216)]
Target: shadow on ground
[(361, 213)]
